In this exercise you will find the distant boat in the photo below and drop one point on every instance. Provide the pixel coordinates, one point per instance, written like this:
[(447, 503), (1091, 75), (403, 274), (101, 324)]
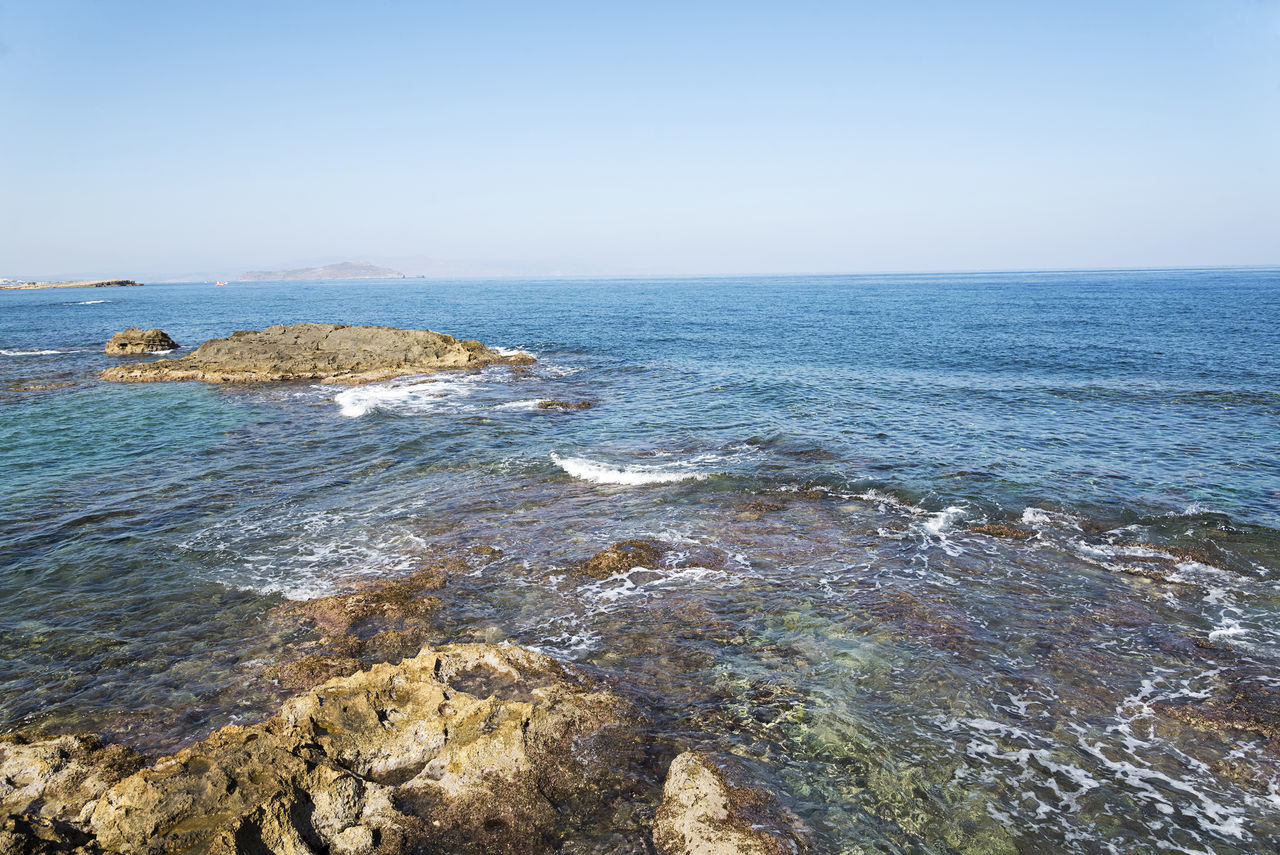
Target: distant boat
[(219, 283)]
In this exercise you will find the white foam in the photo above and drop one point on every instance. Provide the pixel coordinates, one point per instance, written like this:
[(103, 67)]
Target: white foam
[(531, 404), (1039, 516), (943, 521), (513, 351), (32, 352), (89, 302), (635, 475), (162, 352)]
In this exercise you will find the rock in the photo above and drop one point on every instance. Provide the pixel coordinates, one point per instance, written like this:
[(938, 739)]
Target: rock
[(465, 748), (622, 556), (710, 808), (1004, 530), (55, 778), (134, 340), (552, 404), (1244, 698), (328, 352)]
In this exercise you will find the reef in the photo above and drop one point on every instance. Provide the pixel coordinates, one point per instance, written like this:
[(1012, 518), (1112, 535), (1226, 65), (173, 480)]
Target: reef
[(134, 340), (465, 748), (335, 353)]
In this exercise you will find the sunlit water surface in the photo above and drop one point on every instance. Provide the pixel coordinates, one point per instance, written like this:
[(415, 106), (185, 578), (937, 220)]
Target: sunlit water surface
[(818, 450)]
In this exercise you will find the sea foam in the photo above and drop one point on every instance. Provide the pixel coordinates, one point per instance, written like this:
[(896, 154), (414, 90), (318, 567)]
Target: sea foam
[(635, 475)]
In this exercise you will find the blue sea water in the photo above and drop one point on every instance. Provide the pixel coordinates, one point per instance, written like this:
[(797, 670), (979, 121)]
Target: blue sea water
[(908, 683)]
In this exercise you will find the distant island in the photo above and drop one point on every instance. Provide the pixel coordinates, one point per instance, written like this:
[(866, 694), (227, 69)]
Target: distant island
[(88, 283), (342, 270)]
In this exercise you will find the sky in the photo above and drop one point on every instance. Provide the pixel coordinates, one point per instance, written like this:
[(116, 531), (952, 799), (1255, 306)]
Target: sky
[(182, 140)]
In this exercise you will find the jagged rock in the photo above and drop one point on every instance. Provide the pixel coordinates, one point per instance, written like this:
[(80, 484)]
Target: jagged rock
[(710, 808), (329, 352), (622, 556), (54, 778), (553, 404), (1004, 530), (134, 340), (466, 748)]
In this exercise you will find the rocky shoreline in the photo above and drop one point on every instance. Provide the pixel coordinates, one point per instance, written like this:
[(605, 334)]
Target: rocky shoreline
[(89, 283), (335, 353), (467, 748)]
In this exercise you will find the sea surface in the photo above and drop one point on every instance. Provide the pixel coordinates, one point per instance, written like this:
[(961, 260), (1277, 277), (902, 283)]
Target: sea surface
[(818, 451)]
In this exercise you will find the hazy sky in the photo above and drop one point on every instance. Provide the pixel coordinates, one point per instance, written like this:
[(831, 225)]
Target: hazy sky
[(167, 139)]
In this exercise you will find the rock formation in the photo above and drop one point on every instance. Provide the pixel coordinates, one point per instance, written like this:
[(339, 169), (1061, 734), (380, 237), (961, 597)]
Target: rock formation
[(134, 340), (329, 352), (552, 404), (710, 808), (465, 748)]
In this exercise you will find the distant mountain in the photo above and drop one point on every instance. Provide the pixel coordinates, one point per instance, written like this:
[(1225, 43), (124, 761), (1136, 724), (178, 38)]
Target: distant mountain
[(342, 270)]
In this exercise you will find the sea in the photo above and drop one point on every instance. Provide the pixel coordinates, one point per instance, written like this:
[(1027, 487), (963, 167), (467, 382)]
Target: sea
[(959, 563)]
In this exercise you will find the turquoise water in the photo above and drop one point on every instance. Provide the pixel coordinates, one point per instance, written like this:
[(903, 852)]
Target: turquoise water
[(907, 683)]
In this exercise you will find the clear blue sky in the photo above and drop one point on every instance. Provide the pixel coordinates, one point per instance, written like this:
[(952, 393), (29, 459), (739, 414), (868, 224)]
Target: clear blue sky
[(163, 139)]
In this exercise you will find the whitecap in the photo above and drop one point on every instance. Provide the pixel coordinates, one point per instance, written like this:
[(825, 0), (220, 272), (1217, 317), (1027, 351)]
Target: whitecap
[(635, 475), (89, 302), (162, 352), (32, 352), (531, 404), (513, 351), (943, 521)]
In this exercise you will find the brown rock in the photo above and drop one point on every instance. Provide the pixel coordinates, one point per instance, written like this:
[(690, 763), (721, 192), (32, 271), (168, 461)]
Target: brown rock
[(553, 404), (465, 748), (54, 778), (710, 808), (623, 556), (1004, 530), (134, 340), (329, 352)]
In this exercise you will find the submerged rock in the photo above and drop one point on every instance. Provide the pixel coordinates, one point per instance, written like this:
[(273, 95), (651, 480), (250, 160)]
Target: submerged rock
[(709, 808), (1004, 530), (329, 352), (134, 340), (621, 557), (467, 748), (552, 404)]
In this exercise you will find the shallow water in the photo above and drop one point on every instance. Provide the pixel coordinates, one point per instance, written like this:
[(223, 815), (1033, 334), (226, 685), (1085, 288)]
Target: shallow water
[(818, 449)]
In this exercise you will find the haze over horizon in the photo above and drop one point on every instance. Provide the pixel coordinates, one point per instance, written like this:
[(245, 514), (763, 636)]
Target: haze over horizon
[(158, 141)]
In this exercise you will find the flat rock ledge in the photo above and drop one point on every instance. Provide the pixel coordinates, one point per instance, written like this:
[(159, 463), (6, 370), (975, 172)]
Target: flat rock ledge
[(469, 748), (710, 807), (134, 340), (335, 353)]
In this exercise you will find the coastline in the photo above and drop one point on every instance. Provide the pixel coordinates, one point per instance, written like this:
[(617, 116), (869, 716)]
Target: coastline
[(88, 283)]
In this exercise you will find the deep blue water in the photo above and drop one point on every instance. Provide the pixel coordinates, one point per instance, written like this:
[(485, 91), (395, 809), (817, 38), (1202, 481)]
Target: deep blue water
[(146, 528)]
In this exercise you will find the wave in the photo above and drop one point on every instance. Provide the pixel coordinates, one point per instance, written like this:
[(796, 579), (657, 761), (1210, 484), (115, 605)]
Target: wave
[(34, 352), (513, 351), (90, 302), (634, 475)]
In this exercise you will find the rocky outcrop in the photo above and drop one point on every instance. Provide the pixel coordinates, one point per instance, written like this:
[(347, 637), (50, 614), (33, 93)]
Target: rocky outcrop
[(328, 352), (650, 554), (86, 283), (709, 807), (134, 340), (54, 779), (1009, 532), (622, 556), (378, 622), (466, 748), (552, 404)]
